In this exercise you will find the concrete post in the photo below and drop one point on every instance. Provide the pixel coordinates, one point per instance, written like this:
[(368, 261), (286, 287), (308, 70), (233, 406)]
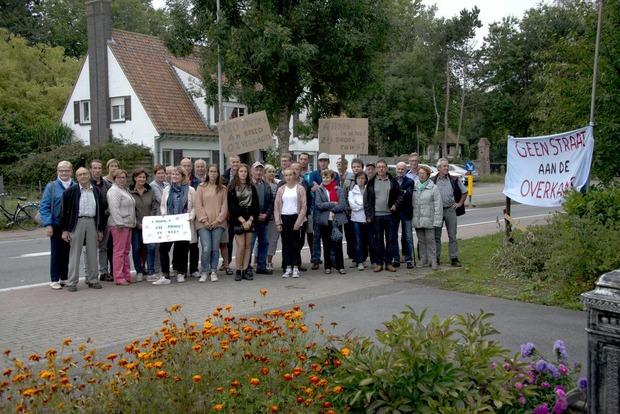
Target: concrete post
[(603, 306)]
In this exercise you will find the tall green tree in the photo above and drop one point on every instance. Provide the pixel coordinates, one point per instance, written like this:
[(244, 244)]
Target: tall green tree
[(283, 56)]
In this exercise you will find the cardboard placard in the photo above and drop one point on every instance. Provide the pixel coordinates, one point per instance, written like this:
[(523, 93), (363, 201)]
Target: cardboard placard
[(343, 135), (159, 229), (245, 134)]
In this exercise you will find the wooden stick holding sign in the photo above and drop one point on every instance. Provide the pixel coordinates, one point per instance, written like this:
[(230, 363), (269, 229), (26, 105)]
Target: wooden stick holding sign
[(343, 135), (245, 134)]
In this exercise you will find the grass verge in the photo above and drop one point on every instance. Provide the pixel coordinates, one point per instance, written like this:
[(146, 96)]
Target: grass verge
[(491, 178), (478, 276)]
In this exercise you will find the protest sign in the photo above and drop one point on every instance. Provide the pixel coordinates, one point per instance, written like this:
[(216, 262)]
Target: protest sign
[(541, 169), (343, 135), (159, 229), (245, 134)]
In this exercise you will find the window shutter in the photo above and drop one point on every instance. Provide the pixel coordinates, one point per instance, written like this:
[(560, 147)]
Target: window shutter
[(76, 112), (127, 108)]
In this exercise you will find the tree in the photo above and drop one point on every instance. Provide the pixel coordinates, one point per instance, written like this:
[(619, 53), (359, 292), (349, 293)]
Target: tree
[(283, 56)]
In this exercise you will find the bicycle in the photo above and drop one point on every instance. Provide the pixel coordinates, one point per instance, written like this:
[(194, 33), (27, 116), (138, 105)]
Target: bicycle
[(24, 214)]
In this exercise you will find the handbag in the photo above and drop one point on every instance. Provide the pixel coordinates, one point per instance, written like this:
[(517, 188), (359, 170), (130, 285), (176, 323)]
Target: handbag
[(336, 233)]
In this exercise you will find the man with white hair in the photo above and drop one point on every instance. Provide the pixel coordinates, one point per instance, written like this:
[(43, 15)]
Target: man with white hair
[(453, 195), (50, 210)]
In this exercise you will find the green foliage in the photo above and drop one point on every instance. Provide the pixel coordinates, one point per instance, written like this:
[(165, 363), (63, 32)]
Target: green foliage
[(42, 167), (428, 367), (601, 203)]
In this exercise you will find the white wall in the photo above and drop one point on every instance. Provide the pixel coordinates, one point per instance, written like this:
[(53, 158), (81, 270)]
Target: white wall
[(138, 130), (197, 92)]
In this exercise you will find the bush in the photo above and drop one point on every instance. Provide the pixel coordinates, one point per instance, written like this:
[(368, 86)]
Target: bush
[(42, 167), (600, 203)]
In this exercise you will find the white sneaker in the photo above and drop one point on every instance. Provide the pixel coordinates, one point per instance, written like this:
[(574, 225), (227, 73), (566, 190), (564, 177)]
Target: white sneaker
[(287, 273), (180, 278), (152, 278), (139, 277), (270, 266), (213, 277), (295, 272), (196, 274), (203, 277), (55, 285), (162, 281), (360, 266), (173, 273)]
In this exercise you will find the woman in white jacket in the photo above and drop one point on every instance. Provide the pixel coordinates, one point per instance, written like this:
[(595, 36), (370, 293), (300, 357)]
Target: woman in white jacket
[(427, 214), (122, 219), (177, 198), (360, 227)]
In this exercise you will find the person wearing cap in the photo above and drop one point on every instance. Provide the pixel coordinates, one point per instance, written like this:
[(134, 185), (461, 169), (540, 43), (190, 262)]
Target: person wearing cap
[(316, 180), (371, 170), (265, 203)]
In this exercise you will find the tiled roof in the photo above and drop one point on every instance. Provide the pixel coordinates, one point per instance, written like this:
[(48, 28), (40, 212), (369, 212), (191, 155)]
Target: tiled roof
[(147, 63)]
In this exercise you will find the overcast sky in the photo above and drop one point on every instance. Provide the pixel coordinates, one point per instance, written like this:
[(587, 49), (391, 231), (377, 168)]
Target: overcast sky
[(490, 10)]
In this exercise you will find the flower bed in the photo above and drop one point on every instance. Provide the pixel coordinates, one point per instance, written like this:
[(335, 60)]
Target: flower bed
[(276, 363)]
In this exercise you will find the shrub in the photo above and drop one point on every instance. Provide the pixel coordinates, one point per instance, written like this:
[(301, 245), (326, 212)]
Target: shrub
[(600, 203)]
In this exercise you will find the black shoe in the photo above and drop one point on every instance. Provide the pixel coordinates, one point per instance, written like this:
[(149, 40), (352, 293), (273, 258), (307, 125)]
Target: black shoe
[(247, 276), (106, 277), (438, 262), (455, 263), (315, 266), (302, 269), (95, 285), (238, 275), (249, 272), (72, 288), (409, 265), (396, 264), (264, 272)]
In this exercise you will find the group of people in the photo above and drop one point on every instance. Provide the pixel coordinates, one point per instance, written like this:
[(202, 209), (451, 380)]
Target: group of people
[(248, 209)]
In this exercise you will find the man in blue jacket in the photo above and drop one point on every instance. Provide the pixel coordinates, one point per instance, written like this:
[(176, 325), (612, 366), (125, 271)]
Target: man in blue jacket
[(50, 212)]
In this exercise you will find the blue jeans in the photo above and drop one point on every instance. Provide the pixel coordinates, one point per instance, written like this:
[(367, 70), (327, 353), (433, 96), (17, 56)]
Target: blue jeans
[(316, 242), (406, 238), (210, 241), (59, 256), (385, 229), (136, 253), (262, 234), (363, 239)]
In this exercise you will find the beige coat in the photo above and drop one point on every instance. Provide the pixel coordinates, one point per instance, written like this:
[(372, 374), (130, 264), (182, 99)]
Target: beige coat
[(301, 205), (212, 206), (122, 207)]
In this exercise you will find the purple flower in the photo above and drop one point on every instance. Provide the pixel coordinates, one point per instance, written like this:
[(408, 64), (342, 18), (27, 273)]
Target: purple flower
[(541, 366), (518, 385), (541, 409), (527, 349), (582, 383), (507, 366), (563, 369), (559, 391), (522, 400), (545, 385), (560, 349), (553, 370)]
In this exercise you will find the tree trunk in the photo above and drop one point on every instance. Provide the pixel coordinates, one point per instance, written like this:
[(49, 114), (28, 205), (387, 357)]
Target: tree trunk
[(444, 145), (458, 134), (283, 132), (437, 118)]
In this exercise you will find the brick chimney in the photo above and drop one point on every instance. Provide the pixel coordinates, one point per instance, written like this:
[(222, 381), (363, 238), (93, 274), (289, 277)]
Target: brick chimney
[(99, 28)]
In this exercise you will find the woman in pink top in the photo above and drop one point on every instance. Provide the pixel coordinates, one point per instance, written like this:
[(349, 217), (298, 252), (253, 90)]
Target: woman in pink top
[(211, 210)]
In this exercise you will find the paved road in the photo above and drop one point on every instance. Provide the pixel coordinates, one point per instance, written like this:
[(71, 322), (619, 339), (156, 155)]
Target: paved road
[(24, 262)]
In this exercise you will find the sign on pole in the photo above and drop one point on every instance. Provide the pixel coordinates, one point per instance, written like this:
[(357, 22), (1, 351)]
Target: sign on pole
[(245, 134), (343, 135), (159, 229), (541, 169)]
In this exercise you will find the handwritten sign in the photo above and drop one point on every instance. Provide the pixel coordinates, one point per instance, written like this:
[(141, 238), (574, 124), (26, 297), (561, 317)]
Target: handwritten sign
[(159, 229), (343, 135), (541, 169), (245, 134)]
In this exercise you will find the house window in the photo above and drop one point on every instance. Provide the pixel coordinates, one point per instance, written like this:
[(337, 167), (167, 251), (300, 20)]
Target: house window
[(85, 112), (166, 157), (118, 109), (231, 112)]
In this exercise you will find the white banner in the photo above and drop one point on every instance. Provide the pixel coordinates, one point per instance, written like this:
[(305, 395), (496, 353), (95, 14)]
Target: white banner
[(541, 169), (159, 229)]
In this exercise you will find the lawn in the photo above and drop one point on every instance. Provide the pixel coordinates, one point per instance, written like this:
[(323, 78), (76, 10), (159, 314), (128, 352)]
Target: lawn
[(477, 276)]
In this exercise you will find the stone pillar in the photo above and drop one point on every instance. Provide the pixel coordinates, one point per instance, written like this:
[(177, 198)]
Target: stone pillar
[(484, 160), (603, 306)]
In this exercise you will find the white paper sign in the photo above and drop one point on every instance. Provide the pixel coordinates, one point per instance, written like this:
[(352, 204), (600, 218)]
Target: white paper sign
[(159, 229), (541, 169)]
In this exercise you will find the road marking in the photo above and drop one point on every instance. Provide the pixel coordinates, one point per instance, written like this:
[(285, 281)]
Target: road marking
[(23, 256), (495, 221), (11, 289), (23, 240)]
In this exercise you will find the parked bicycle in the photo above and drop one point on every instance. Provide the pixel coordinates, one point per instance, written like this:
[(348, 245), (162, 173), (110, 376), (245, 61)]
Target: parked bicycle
[(24, 214)]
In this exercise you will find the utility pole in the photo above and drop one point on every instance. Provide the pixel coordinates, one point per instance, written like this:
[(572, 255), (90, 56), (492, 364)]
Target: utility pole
[(220, 106), (595, 69)]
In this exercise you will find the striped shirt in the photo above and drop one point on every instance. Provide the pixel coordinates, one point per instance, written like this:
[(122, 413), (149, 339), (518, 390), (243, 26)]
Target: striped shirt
[(88, 207)]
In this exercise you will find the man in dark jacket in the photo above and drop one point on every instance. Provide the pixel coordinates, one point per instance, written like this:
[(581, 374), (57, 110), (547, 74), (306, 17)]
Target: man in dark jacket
[(83, 221), (265, 202), (104, 259), (405, 214), (382, 199)]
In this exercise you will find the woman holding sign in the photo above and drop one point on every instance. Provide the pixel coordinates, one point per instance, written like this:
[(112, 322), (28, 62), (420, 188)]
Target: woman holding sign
[(177, 198), (244, 209), (211, 212)]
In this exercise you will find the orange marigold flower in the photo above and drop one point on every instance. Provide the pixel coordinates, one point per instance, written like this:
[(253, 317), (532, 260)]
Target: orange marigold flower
[(311, 305), (64, 380), (287, 377), (197, 347), (264, 370), (235, 384), (322, 382), (174, 308), (111, 357), (158, 364), (7, 372), (254, 381), (274, 408), (345, 351), (228, 308), (330, 412), (327, 404), (297, 371), (173, 340), (46, 374), (67, 341), (263, 292), (337, 363), (315, 379), (197, 378), (131, 365), (29, 392), (34, 357), (51, 352), (300, 400), (7, 352), (176, 378), (219, 389), (161, 374), (218, 407), (19, 378), (338, 389)]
